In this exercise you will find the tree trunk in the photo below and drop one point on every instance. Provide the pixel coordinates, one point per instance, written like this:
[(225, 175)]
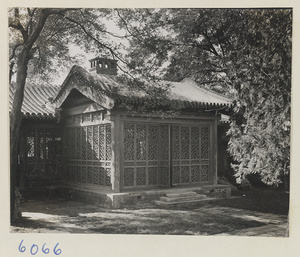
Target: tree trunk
[(15, 125), (16, 113)]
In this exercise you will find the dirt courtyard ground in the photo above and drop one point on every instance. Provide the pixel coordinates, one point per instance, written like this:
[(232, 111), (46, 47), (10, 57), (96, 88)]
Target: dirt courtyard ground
[(252, 209)]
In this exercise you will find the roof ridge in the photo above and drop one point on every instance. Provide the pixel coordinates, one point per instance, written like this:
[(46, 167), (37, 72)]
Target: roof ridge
[(195, 85), (42, 86)]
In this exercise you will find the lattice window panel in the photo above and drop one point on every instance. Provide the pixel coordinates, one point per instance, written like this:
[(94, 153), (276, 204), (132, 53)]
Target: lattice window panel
[(73, 173), (84, 143), (102, 142), (108, 142), (185, 142), (152, 175), (141, 176), (84, 175), (128, 176), (164, 142), (176, 175), (204, 173), (185, 174), (195, 173), (96, 175), (65, 144), (90, 175), (72, 143), (205, 142), (30, 144), (99, 179), (40, 146), (140, 142), (95, 142), (89, 143), (86, 117), (176, 142), (49, 148), (152, 142), (128, 142), (108, 177), (69, 151), (195, 143), (78, 143), (57, 137), (97, 116), (164, 175)]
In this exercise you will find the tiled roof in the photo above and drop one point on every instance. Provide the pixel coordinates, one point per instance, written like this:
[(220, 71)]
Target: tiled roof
[(38, 100), (186, 91), (36, 103)]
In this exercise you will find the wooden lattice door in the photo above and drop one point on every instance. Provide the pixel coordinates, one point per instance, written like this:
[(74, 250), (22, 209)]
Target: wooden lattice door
[(165, 154), (190, 154)]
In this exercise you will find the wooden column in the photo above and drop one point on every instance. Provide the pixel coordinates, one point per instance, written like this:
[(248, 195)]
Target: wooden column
[(116, 153), (215, 153)]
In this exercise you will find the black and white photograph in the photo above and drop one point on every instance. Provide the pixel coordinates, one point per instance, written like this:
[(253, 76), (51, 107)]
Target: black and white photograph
[(149, 122)]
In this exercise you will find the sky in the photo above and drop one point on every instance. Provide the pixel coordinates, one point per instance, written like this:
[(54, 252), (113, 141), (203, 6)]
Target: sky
[(77, 52)]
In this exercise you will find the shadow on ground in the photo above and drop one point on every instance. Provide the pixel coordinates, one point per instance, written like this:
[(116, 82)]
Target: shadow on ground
[(74, 217), (222, 216)]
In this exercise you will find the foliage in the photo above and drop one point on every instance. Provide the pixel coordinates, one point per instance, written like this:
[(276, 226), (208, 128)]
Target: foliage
[(64, 30), (260, 139), (245, 53)]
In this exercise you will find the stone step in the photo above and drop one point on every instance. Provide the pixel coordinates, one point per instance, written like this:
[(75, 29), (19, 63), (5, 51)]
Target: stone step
[(195, 200), (181, 194), (182, 198)]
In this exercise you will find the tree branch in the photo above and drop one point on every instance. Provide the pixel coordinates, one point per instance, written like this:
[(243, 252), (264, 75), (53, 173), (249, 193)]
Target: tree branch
[(18, 26), (211, 48), (14, 51), (126, 27)]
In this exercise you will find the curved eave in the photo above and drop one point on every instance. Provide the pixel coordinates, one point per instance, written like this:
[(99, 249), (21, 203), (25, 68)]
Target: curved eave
[(38, 116), (172, 102)]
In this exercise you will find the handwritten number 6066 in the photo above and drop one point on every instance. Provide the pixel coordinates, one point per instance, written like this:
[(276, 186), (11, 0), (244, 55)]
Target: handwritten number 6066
[(34, 249)]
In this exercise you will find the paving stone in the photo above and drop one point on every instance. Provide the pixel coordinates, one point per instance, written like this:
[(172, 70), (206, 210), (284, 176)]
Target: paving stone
[(276, 225)]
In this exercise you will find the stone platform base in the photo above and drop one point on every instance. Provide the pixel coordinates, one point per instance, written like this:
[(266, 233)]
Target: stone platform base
[(108, 199)]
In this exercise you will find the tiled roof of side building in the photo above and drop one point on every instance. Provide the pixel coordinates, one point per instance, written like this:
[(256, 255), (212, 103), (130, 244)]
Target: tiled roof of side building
[(36, 102)]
